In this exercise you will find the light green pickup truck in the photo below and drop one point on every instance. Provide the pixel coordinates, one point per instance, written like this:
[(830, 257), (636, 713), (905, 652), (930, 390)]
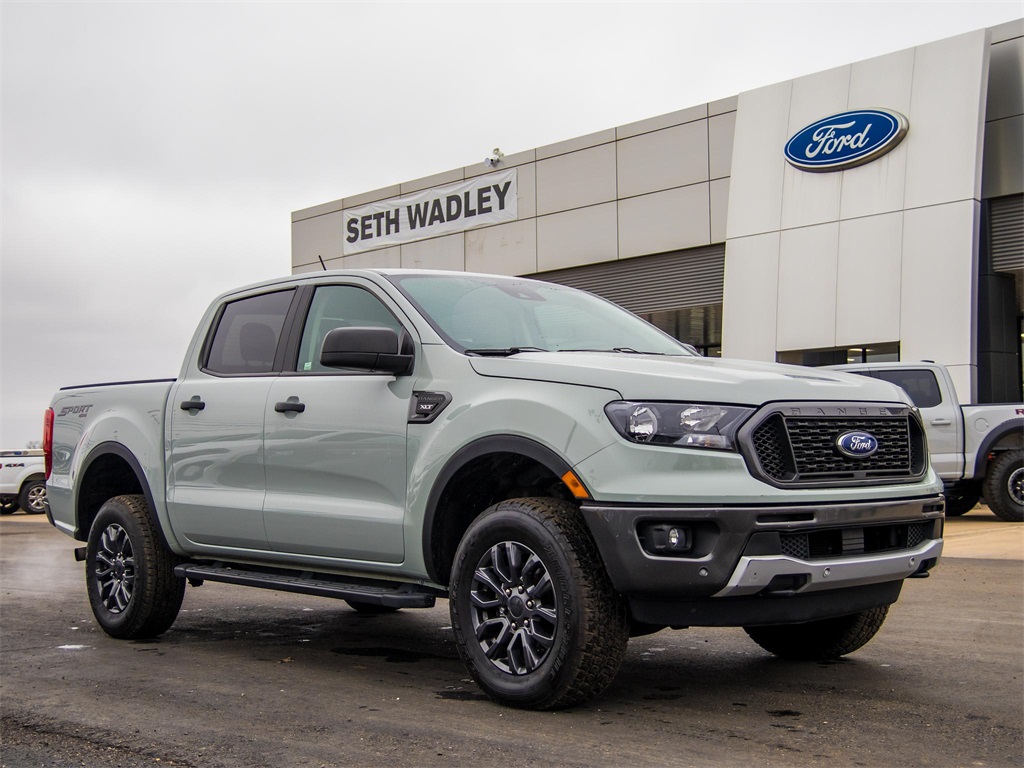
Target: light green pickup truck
[(565, 474)]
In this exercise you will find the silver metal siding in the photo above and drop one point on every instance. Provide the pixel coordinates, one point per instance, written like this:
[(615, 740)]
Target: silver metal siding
[(676, 280), (1007, 233)]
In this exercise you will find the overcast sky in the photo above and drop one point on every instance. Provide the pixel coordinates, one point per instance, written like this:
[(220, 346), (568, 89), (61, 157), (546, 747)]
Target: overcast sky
[(152, 153)]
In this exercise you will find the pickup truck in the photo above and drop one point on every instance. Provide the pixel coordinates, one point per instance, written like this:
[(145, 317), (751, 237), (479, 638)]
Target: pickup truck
[(976, 450), (565, 474), (22, 482)]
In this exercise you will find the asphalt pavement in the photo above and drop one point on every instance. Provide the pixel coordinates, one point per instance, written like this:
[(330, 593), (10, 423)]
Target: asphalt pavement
[(253, 678)]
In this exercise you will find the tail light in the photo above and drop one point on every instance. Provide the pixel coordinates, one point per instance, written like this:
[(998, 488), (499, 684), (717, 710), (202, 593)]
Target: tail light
[(48, 440)]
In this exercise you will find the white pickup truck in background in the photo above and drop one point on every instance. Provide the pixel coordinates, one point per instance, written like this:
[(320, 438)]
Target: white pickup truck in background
[(977, 450), (22, 482)]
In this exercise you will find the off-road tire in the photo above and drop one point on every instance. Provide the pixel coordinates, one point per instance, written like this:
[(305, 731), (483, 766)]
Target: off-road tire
[(820, 640), (32, 498), (568, 614), (129, 573), (1003, 489), (962, 500)]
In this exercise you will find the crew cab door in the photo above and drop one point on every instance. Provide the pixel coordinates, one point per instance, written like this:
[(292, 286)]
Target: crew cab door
[(336, 441), (215, 473)]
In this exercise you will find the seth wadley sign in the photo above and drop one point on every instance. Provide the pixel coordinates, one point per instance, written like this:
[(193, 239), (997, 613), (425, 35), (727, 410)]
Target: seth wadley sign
[(477, 202)]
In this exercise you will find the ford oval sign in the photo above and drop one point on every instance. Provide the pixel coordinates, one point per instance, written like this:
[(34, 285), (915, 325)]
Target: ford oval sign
[(846, 140), (857, 445)]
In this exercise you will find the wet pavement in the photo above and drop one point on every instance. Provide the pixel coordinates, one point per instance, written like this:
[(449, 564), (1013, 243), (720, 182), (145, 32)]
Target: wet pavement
[(253, 678)]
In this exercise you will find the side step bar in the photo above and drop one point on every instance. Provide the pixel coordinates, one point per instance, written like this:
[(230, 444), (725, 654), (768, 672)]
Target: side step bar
[(374, 592)]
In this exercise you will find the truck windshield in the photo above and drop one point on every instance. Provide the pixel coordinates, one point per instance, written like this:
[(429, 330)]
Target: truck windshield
[(490, 315)]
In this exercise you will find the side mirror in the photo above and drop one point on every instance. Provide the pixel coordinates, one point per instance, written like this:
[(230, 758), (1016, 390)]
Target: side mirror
[(377, 350)]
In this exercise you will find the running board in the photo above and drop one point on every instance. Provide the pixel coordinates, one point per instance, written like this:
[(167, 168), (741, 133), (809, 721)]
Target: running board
[(373, 592)]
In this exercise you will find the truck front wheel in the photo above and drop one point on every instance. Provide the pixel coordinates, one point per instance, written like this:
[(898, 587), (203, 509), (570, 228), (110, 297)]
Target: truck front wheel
[(1004, 486), (820, 640), (536, 620), (129, 573), (33, 496), (961, 499)]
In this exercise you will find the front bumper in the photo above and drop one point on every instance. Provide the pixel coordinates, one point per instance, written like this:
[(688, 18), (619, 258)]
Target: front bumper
[(742, 555)]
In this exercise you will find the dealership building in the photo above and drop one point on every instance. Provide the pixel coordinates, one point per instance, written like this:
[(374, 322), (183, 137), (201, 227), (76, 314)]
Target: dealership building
[(874, 211)]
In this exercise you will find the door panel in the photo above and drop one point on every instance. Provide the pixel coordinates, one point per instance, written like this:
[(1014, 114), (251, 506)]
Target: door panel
[(215, 483), (336, 472), (215, 475)]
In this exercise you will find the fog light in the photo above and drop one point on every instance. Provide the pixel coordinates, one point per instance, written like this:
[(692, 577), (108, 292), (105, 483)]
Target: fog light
[(665, 539)]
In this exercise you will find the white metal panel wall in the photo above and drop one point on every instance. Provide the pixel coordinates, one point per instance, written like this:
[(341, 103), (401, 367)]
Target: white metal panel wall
[(834, 262), (653, 186)]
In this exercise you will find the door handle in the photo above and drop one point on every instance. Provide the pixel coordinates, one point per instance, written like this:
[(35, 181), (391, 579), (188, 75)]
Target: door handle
[(289, 407), (192, 405), (941, 422)]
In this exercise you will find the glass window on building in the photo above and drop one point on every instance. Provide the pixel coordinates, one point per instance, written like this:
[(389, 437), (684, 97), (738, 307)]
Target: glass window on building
[(866, 353), (700, 327)]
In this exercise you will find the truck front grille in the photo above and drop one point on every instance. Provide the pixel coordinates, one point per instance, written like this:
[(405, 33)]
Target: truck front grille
[(795, 446)]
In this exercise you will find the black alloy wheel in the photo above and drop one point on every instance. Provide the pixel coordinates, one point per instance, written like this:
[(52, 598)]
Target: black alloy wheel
[(513, 608), (115, 568)]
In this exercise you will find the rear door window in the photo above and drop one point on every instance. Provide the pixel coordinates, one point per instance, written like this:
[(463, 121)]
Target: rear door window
[(921, 385), (247, 335)]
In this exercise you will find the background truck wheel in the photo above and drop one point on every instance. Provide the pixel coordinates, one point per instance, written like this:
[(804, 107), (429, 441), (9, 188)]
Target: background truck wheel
[(962, 499), (536, 620), (370, 608), (820, 640), (33, 496), (129, 573), (1004, 486), (8, 506)]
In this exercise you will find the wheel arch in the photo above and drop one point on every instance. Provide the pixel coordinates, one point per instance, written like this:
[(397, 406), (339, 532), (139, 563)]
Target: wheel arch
[(109, 470), (517, 465), (1007, 436), (30, 478)]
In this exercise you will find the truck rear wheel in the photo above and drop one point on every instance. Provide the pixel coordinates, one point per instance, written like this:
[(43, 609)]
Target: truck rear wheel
[(129, 573), (1004, 486), (536, 620), (820, 640)]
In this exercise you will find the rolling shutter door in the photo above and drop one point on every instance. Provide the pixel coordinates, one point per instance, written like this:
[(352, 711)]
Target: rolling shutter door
[(677, 280), (1006, 216)]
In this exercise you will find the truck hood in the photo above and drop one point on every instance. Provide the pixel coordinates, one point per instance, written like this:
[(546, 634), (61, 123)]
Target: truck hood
[(700, 379)]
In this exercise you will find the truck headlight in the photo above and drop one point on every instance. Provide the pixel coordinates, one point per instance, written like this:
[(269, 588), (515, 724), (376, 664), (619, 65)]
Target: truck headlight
[(683, 425)]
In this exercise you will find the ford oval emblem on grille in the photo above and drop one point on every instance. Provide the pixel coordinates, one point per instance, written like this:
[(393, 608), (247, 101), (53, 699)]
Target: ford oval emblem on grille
[(846, 140), (857, 445)]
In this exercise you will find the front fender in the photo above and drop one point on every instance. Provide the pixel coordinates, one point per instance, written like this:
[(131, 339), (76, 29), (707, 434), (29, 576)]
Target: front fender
[(558, 425)]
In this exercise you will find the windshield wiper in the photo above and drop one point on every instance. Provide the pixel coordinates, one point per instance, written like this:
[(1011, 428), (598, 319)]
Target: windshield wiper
[(503, 352), (623, 350)]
